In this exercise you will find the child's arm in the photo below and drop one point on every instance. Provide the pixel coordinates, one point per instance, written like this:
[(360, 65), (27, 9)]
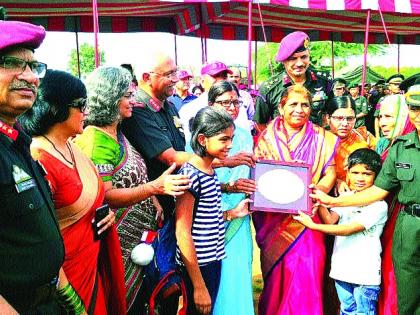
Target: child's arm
[(327, 216), (183, 223), (332, 229)]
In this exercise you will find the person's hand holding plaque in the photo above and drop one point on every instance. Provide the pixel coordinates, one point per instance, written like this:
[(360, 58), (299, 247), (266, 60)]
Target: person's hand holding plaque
[(282, 187)]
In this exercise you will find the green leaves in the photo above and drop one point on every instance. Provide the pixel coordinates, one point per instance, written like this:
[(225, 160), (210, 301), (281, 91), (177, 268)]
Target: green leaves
[(87, 60)]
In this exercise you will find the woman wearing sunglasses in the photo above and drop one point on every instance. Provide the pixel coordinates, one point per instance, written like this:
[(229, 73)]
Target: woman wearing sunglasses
[(77, 191)]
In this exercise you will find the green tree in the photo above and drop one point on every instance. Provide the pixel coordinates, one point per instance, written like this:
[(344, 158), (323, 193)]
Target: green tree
[(87, 60), (321, 52), (320, 56), (386, 72)]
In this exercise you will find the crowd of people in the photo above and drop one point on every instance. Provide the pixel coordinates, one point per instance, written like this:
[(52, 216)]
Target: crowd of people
[(122, 193)]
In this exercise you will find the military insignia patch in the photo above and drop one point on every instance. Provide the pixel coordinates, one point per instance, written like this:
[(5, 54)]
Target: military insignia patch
[(22, 180), (177, 122), (306, 43)]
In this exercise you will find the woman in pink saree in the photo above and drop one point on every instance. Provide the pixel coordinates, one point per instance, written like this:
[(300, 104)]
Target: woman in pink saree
[(292, 257)]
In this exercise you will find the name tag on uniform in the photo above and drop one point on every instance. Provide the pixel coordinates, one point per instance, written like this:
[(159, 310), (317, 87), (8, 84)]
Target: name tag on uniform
[(23, 181), (403, 165), (23, 186)]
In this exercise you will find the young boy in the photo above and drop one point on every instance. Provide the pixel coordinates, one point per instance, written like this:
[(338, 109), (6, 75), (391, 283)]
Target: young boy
[(356, 258)]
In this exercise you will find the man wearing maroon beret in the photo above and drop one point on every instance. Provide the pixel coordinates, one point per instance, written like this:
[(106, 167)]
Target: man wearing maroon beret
[(31, 247), (295, 56)]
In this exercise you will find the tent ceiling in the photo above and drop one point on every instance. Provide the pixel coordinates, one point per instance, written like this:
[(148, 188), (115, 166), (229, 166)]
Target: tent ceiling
[(229, 20)]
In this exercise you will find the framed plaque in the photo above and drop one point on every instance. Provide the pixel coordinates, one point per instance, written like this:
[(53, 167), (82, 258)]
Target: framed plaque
[(281, 187)]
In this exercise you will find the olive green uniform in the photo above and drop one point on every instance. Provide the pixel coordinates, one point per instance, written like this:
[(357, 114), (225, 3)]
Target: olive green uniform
[(361, 107), (401, 170), (271, 91)]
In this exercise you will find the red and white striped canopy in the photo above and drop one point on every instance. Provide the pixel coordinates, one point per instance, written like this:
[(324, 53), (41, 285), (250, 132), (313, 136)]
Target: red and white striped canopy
[(338, 20)]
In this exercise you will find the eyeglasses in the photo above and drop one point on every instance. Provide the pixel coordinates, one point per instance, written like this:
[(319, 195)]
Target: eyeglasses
[(228, 103), (80, 103), (17, 64), (168, 75), (341, 119)]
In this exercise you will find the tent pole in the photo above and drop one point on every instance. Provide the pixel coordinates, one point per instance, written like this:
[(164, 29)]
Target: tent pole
[(366, 48), (96, 30), (265, 38), (332, 58), (249, 43), (78, 54), (384, 26), (255, 61), (176, 50), (202, 39), (398, 55), (77, 47)]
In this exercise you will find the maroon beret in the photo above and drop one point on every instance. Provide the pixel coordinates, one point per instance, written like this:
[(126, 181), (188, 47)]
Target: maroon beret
[(14, 33), (183, 74), (215, 68), (293, 42)]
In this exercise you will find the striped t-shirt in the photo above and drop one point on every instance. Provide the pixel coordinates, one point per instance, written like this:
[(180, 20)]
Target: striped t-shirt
[(208, 227)]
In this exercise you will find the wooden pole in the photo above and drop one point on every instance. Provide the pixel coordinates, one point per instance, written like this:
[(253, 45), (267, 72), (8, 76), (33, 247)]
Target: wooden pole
[(365, 52), (95, 31), (249, 44)]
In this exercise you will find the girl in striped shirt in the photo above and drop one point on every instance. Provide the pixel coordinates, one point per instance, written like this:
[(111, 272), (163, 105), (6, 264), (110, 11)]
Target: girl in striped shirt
[(200, 229)]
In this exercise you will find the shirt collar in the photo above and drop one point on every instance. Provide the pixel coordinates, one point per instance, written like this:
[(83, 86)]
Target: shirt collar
[(151, 102), (8, 131), (412, 139), (310, 76)]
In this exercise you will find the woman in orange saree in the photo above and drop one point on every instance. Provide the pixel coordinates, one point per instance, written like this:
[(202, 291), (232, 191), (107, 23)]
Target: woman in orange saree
[(292, 257), (77, 191), (341, 117), (394, 122)]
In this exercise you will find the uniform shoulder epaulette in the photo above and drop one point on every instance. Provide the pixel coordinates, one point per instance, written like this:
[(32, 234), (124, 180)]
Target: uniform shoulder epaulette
[(272, 82), (404, 138), (323, 75)]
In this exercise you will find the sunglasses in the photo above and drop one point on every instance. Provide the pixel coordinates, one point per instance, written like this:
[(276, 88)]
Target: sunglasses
[(80, 103)]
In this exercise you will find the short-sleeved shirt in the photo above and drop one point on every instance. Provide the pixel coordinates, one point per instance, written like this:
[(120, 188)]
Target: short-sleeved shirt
[(178, 101), (266, 107), (361, 107), (401, 169), (31, 247), (208, 227), (151, 130), (356, 258)]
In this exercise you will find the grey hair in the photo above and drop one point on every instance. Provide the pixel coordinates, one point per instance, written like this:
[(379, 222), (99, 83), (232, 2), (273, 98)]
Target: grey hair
[(105, 88)]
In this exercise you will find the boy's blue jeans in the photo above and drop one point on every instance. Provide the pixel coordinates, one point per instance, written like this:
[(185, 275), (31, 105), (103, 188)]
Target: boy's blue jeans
[(356, 298)]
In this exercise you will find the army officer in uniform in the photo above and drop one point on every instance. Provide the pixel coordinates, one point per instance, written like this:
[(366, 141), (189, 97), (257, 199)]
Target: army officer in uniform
[(401, 171), (295, 56), (31, 248)]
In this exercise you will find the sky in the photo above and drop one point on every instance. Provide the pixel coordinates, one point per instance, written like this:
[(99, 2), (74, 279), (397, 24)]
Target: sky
[(132, 47)]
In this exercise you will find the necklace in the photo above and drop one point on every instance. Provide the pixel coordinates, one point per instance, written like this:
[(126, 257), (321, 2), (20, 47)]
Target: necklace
[(59, 152)]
